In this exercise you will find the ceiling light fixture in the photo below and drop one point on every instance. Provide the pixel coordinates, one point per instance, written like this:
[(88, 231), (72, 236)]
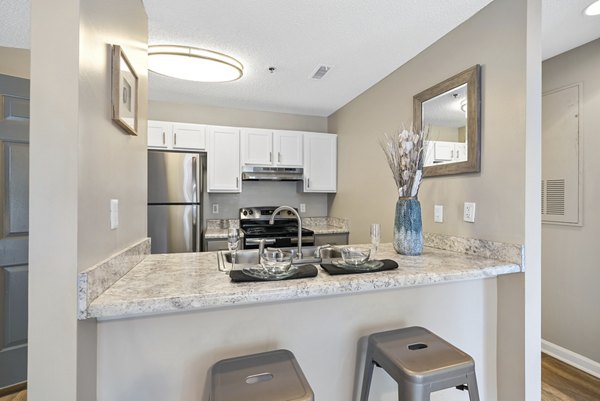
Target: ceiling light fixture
[(593, 9), (193, 64)]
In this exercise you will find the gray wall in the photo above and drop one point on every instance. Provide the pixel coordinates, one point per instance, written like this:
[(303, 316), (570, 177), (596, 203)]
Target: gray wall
[(197, 113), (570, 295), (507, 208), (264, 193), (14, 62), (79, 160)]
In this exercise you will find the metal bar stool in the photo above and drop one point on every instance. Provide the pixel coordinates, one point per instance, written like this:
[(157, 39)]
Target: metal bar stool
[(420, 362), (267, 376)]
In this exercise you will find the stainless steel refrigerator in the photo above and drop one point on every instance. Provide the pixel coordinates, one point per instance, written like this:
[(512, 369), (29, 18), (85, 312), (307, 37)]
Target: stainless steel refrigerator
[(174, 201)]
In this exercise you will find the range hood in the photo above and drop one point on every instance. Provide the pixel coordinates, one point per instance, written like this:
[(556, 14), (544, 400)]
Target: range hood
[(255, 173)]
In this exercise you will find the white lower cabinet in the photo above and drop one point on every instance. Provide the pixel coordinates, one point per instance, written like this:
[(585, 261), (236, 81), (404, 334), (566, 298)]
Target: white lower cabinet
[(320, 162), (223, 159)]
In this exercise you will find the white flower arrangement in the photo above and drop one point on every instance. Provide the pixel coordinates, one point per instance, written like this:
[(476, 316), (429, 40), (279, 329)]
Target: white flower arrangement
[(405, 154)]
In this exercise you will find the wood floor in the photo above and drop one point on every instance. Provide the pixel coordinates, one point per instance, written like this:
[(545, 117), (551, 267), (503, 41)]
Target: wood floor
[(562, 382), (20, 396)]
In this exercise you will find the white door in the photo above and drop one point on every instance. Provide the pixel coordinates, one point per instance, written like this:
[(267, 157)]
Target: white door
[(223, 160), (189, 136), (288, 148), (561, 189), (320, 162), (14, 228), (159, 134), (257, 147)]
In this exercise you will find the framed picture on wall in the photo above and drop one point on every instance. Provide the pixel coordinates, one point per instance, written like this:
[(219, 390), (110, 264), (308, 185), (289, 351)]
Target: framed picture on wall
[(124, 92)]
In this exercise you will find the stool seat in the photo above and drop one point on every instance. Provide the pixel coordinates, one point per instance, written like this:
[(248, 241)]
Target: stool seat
[(267, 376), (420, 362)]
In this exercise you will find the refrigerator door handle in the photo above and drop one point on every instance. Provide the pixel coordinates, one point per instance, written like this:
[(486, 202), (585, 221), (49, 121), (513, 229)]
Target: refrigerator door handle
[(194, 179), (195, 244)]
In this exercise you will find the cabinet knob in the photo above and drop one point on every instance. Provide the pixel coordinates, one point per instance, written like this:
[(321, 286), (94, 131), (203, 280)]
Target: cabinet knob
[(278, 157), (308, 182), (271, 157), (175, 139), (164, 138)]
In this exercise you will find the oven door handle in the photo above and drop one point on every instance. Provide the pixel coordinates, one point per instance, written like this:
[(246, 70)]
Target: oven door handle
[(252, 241)]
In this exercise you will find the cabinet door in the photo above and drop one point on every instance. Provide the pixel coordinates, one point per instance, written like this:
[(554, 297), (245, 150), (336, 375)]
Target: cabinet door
[(288, 148), (320, 162), (189, 136), (257, 147), (223, 159), (159, 134)]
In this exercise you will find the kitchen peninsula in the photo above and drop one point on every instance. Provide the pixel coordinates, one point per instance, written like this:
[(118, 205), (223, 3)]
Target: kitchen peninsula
[(321, 319)]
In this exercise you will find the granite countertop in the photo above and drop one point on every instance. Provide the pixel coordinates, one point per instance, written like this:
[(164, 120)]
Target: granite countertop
[(183, 282), (320, 225)]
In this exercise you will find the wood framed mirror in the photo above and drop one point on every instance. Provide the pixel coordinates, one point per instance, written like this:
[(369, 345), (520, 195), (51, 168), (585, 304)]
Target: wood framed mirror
[(451, 114)]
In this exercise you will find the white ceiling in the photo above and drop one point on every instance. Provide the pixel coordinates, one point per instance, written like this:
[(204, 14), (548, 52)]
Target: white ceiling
[(363, 41)]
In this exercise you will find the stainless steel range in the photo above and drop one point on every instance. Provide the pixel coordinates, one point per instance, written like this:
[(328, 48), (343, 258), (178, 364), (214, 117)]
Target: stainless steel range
[(254, 223)]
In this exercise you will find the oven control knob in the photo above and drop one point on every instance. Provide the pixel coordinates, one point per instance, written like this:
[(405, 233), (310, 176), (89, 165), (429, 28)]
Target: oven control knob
[(289, 213), (251, 212), (245, 213)]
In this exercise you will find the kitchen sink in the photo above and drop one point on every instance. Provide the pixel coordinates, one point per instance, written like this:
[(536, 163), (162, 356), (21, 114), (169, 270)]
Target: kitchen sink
[(250, 256)]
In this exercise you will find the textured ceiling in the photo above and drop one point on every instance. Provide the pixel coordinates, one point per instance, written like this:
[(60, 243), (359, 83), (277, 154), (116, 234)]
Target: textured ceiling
[(363, 40), (564, 26), (14, 23)]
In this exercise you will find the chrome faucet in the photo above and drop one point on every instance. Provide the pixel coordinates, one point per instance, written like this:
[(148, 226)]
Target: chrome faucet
[(291, 209)]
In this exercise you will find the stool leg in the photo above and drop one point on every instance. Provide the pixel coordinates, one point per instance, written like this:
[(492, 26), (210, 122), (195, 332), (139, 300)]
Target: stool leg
[(472, 383), (413, 392), (367, 376)]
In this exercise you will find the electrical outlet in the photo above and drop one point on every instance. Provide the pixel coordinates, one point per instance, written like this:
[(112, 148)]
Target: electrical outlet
[(303, 208), (438, 213), (215, 208), (114, 214), (469, 212)]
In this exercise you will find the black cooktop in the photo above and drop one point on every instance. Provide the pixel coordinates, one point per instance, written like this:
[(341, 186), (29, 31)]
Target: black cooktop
[(257, 229)]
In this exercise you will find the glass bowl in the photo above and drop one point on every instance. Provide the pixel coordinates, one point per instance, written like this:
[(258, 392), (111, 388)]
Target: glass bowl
[(354, 255), (276, 261)]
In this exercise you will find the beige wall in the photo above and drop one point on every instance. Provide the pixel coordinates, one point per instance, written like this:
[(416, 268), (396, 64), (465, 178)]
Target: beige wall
[(363, 175), (507, 209), (570, 296), (14, 62), (193, 113), (79, 160)]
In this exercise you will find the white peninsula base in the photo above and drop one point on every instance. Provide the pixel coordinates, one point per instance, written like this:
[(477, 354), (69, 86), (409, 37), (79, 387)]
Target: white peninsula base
[(167, 357)]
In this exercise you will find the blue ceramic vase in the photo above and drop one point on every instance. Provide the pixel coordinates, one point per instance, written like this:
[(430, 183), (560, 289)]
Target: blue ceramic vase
[(408, 228)]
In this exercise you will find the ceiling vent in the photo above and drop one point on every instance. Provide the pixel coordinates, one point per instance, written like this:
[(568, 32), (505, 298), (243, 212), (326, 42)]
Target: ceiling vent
[(320, 71)]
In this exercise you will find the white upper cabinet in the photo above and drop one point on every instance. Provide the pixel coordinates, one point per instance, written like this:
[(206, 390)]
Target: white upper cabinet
[(159, 134), (168, 135), (320, 162), (257, 147), (288, 148), (189, 136), (262, 147), (223, 159)]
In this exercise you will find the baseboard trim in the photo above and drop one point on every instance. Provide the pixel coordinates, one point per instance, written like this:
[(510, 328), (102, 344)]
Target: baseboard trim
[(578, 361), (15, 388)]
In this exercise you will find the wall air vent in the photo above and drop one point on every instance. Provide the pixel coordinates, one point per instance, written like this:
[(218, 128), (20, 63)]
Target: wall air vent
[(555, 197), (320, 71)]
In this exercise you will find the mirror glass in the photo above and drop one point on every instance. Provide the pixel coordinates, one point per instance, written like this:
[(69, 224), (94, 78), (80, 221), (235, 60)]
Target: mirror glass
[(450, 113)]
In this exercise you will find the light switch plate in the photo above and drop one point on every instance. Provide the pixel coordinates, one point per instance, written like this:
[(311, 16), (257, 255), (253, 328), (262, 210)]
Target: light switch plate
[(469, 212), (438, 214), (114, 214), (215, 208), (303, 208)]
